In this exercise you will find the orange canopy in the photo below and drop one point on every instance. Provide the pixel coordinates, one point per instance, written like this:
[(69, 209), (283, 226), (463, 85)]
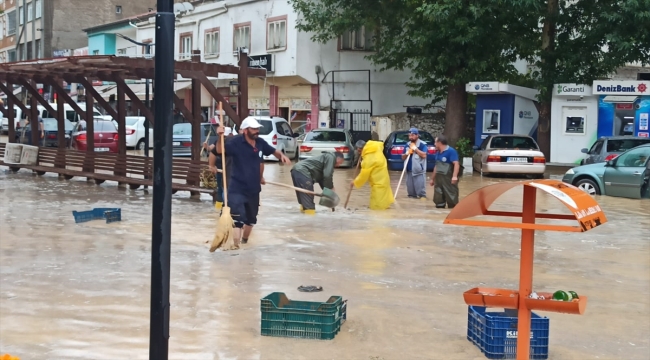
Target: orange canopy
[(582, 206)]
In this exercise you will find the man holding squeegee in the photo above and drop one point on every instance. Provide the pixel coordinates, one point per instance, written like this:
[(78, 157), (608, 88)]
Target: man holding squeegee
[(247, 151), (319, 170)]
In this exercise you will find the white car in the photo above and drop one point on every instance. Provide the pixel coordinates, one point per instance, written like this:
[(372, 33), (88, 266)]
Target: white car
[(509, 154), (278, 133), (135, 132)]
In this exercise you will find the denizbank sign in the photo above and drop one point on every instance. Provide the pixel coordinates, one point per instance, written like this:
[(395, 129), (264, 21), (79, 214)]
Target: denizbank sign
[(613, 87), (573, 90)]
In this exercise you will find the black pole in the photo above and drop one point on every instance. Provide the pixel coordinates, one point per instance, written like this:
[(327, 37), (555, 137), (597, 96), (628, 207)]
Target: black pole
[(162, 181), (146, 103)]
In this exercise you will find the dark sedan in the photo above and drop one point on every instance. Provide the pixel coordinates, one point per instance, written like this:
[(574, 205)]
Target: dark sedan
[(182, 137), (397, 141), (50, 139)]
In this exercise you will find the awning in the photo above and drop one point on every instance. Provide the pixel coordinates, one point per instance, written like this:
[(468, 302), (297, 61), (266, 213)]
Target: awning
[(620, 99)]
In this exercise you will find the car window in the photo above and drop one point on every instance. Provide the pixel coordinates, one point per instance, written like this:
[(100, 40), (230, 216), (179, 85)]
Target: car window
[(105, 126), (206, 130), (182, 129), (513, 142), (287, 129), (50, 125), (596, 148), (330, 136), (485, 143), (403, 138), (71, 115), (634, 158), (131, 121), (623, 145), (267, 127)]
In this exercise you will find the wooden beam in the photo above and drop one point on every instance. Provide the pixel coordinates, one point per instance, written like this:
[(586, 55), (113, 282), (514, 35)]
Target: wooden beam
[(33, 120), (217, 96), (66, 98), (11, 117), (14, 99), (121, 122), (180, 104), (60, 108), (134, 99), (242, 78), (37, 96), (100, 100), (196, 111)]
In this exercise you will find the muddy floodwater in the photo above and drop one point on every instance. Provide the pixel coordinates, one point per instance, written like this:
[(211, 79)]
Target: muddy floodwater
[(81, 291)]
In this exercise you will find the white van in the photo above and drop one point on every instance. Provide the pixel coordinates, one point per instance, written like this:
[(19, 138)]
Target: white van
[(70, 114)]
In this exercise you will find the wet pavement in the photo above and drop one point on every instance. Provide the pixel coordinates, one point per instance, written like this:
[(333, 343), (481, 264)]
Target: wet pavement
[(81, 291)]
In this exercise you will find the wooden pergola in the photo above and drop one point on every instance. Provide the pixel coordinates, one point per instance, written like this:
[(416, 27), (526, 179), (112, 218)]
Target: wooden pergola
[(85, 69)]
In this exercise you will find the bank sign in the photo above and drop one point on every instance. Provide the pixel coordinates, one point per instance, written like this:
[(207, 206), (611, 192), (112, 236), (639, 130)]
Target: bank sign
[(613, 87), (573, 90), (478, 87)]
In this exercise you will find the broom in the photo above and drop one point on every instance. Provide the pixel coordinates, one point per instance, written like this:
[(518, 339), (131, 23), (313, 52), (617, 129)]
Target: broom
[(402, 176), (225, 224)]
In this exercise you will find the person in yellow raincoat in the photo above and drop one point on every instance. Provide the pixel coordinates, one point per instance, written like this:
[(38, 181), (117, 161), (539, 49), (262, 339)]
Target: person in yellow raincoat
[(374, 169)]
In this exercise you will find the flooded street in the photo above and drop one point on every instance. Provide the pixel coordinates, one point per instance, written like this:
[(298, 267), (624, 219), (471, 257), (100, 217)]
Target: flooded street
[(81, 291)]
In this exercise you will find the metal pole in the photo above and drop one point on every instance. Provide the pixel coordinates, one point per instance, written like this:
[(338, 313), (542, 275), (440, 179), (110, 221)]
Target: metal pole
[(162, 182), (146, 121)]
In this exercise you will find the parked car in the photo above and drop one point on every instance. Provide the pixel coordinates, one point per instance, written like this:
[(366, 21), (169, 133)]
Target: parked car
[(278, 133), (182, 137), (70, 114), (329, 140), (105, 136), (394, 148), (135, 132), (50, 128), (509, 154), (626, 176), (608, 148)]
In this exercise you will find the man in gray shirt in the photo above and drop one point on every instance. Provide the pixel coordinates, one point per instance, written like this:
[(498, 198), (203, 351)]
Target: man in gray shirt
[(318, 170)]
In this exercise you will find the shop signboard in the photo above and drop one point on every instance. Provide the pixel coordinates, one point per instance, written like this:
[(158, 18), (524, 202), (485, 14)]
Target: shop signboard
[(262, 62), (622, 87), (482, 87)]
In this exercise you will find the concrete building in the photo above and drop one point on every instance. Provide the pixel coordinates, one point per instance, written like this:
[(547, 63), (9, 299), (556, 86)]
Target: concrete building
[(304, 77), (49, 28)]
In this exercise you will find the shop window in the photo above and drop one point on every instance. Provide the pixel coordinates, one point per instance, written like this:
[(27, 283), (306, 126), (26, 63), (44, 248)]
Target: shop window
[(242, 37), (362, 39), (211, 43), (276, 35), (574, 125), (491, 121)]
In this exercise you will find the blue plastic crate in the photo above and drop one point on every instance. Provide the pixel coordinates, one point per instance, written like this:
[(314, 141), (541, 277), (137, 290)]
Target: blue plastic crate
[(302, 319), (495, 333), (110, 214)]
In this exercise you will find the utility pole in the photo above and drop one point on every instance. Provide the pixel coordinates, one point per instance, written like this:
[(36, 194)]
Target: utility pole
[(161, 214)]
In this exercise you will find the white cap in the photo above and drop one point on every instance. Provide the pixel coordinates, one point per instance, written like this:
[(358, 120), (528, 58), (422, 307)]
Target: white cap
[(250, 122)]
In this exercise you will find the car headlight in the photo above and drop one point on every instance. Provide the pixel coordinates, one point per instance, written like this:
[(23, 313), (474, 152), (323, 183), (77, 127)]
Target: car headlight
[(570, 172)]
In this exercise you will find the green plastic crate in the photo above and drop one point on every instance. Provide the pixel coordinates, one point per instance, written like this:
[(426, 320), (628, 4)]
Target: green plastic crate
[(302, 319)]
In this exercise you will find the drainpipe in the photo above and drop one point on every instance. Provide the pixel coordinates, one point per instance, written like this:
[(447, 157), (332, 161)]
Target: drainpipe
[(42, 47), (34, 30)]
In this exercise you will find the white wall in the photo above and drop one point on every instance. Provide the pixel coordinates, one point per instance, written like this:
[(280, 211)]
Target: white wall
[(388, 91)]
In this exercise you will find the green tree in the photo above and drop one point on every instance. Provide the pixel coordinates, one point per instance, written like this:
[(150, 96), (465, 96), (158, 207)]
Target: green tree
[(580, 41), (444, 43)]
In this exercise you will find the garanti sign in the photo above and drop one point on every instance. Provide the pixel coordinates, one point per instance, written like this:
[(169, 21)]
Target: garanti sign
[(613, 87), (573, 90)]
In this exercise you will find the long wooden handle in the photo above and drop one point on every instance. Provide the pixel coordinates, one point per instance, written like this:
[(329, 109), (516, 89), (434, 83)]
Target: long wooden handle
[(223, 159), (402, 176), (206, 141), (356, 173), (294, 188)]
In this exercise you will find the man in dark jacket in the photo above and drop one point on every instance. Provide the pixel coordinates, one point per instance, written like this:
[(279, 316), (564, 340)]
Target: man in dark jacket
[(318, 170)]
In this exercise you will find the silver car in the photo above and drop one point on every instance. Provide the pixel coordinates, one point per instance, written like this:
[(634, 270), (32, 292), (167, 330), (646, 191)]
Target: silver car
[(329, 140), (608, 148), (509, 154)]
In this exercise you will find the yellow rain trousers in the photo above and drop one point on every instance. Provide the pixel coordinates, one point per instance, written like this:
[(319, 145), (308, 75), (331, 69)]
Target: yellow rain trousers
[(374, 169)]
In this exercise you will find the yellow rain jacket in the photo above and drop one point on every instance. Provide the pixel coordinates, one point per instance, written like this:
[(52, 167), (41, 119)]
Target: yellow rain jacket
[(374, 169)]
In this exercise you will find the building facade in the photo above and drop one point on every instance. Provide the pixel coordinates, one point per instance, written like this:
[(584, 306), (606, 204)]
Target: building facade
[(303, 77), (49, 28)]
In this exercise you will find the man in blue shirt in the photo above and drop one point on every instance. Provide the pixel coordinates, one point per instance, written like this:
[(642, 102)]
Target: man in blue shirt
[(247, 151), (416, 167), (445, 175)]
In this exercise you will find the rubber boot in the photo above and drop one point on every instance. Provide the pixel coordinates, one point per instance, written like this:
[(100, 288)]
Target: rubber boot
[(218, 205), (302, 209), (310, 212)]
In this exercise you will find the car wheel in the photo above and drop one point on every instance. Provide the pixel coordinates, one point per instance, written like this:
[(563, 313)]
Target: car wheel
[(588, 186), (140, 145)]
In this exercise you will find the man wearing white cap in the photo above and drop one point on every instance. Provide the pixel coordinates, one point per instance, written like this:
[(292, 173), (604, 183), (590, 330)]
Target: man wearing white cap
[(247, 151)]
